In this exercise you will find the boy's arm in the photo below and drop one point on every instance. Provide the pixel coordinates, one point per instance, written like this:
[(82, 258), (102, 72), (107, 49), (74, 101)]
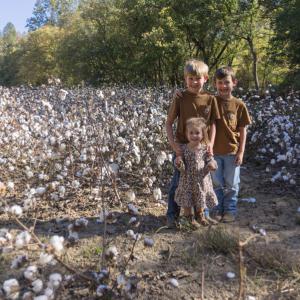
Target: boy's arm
[(240, 154), (212, 135), (170, 136)]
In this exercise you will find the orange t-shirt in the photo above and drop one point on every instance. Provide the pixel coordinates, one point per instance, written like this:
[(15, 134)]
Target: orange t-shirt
[(192, 105), (234, 114)]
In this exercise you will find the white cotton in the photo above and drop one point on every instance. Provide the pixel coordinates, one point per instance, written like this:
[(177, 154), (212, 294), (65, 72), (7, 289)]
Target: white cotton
[(11, 288), (102, 215), (57, 243), (111, 252), (130, 195), (19, 261), (22, 239), (132, 209), (114, 168), (49, 292), (81, 222), (75, 184), (10, 186), (30, 273), (62, 94), (157, 194), (40, 190), (45, 258), (16, 210), (37, 285), (55, 280)]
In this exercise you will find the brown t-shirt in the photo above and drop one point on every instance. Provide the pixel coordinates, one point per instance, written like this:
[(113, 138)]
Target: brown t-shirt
[(192, 105), (234, 114)]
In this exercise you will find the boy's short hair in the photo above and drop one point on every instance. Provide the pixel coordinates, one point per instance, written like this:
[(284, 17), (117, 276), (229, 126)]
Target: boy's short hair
[(224, 72), (198, 123), (195, 68)]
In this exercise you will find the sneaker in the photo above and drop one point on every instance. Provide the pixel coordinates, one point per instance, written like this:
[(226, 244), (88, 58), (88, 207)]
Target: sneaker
[(228, 218), (216, 216), (213, 221), (171, 223)]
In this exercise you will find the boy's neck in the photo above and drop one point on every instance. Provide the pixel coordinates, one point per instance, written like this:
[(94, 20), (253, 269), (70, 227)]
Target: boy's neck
[(226, 98), (194, 91)]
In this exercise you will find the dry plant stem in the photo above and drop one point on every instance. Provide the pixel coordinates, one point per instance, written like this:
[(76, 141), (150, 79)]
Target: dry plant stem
[(242, 271), (126, 263), (41, 245), (202, 283)]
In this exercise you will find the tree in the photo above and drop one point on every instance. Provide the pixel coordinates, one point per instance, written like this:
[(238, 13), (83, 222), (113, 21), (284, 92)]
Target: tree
[(50, 12), (287, 39), (38, 60)]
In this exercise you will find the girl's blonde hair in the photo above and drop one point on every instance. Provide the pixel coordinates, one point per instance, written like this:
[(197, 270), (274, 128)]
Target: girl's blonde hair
[(200, 124)]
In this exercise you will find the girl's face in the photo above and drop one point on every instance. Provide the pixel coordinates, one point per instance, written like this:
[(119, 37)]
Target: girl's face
[(194, 134)]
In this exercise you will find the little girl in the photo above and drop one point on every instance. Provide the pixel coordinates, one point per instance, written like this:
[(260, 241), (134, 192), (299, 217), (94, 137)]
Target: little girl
[(195, 187)]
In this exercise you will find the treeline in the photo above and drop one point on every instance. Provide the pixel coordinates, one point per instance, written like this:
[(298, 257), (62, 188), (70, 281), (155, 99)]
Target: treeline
[(147, 41)]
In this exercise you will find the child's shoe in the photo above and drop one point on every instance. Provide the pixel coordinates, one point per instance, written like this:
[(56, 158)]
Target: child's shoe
[(172, 223), (201, 219), (189, 223), (212, 221), (216, 216), (228, 218)]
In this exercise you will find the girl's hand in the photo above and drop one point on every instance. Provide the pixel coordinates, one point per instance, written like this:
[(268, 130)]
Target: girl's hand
[(211, 165), (179, 163), (239, 158)]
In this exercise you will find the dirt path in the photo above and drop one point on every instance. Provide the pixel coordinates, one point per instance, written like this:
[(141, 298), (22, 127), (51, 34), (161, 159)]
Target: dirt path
[(273, 262)]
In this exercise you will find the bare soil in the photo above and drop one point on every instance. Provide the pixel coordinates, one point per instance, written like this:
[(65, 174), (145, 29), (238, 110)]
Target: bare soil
[(272, 262)]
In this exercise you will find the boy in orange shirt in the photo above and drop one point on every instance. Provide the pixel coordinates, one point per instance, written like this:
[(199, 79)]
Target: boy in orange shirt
[(229, 146), (192, 102)]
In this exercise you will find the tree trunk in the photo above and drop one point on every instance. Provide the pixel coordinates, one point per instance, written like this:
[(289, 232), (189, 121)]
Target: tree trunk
[(254, 62)]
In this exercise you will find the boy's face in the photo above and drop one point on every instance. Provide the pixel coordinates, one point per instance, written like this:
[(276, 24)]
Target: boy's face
[(195, 83), (225, 86)]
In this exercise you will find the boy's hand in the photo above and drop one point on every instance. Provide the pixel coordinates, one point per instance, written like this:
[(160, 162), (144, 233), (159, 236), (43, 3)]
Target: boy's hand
[(210, 149), (239, 158), (177, 93)]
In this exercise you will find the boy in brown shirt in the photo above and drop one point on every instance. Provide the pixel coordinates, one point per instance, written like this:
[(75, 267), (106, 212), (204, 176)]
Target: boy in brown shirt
[(229, 146), (193, 102)]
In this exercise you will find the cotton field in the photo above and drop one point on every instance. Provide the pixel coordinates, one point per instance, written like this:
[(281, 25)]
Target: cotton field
[(57, 142)]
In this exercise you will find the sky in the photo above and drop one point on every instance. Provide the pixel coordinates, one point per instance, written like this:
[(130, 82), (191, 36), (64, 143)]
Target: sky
[(16, 12)]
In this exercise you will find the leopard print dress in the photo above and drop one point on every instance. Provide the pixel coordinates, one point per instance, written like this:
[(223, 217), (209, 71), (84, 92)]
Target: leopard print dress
[(195, 188)]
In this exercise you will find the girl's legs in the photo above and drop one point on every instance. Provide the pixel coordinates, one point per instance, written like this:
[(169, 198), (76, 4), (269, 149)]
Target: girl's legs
[(189, 219)]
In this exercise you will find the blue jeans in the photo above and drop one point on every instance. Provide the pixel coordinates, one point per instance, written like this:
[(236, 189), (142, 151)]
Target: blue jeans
[(226, 180), (173, 211)]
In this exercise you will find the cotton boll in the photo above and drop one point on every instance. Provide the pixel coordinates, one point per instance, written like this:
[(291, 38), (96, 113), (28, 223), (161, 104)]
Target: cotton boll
[(174, 282), (28, 296), (111, 253), (55, 280), (132, 209), (10, 186), (19, 261), (157, 194), (130, 195), (49, 293), (62, 94), (57, 243), (40, 190), (11, 288), (45, 258), (22, 239), (16, 210), (30, 273)]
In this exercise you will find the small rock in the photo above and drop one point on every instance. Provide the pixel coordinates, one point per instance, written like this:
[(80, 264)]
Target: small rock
[(174, 282), (148, 242), (230, 275)]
